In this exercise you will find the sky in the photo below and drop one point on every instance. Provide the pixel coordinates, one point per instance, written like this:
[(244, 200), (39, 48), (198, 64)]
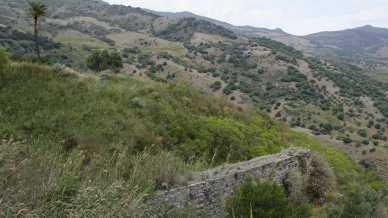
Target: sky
[(299, 17)]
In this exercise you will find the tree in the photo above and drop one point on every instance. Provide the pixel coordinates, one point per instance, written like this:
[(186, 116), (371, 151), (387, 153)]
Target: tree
[(37, 10), (115, 60), (103, 60), (217, 85), (93, 61)]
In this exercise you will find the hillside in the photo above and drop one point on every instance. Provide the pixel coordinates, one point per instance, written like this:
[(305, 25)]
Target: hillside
[(81, 145), (366, 41), (364, 46), (335, 102), (193, 93), (242, 30)]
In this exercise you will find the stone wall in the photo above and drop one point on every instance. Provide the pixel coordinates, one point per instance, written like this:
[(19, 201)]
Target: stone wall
[(207, 193)]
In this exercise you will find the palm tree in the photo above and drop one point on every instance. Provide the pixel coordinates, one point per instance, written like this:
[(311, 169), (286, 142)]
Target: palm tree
[(36, 10)]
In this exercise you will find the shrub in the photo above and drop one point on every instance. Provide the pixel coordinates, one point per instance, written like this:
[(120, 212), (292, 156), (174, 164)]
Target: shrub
[(326, 128), (217, 85), (347, 140), (102, 60), (363, 133), (360, 203), (264, 200), (341, 116), (365, 142), (294, 185), (320, 182)]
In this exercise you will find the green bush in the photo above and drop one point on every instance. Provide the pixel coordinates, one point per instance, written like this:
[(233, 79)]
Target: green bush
[(217, 85), (101, 60), (360, 203), (264, 200), (363, 133)]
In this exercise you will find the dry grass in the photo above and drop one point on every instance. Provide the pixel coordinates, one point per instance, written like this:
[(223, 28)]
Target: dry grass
[(78, 39)]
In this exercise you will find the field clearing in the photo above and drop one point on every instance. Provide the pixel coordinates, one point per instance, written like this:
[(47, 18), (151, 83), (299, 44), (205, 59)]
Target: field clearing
[(75, 38), (147, 43), (383, 77)]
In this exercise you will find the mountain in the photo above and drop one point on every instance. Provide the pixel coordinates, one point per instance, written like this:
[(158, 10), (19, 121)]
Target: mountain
[(364, 46), (366, 41), (246, 30)]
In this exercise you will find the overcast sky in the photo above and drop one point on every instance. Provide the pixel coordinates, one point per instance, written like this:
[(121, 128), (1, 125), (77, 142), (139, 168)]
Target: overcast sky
[(294, 16)]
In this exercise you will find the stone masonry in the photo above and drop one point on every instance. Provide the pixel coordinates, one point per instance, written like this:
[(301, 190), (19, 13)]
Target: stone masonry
[(207, 193)]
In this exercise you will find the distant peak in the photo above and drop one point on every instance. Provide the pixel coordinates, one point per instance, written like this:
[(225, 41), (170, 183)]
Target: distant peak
[(374, 29), (368, 26), (188, 13), (279, 30)]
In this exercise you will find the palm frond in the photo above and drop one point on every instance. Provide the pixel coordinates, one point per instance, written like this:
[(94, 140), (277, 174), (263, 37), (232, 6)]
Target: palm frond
[(37, 9)]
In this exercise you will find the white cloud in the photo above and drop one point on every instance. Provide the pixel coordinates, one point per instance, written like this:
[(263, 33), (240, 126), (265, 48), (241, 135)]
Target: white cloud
[(297, 16)]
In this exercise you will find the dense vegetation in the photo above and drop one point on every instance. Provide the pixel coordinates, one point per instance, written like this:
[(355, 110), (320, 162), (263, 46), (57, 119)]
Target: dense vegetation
[(84, 146), (101, 60), (21, 43), (22, 46), (278, 47), (265, 200), (354, 83), (184, 29)]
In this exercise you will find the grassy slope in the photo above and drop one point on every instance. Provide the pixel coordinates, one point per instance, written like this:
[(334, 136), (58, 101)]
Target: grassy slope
[(95, 147), (78, 39)]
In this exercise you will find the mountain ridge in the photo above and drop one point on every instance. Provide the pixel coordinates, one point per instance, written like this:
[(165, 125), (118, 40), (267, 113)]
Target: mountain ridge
[(313, 43)]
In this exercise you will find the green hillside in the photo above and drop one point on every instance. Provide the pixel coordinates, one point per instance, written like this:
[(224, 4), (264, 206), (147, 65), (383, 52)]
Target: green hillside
[(78, 145)]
